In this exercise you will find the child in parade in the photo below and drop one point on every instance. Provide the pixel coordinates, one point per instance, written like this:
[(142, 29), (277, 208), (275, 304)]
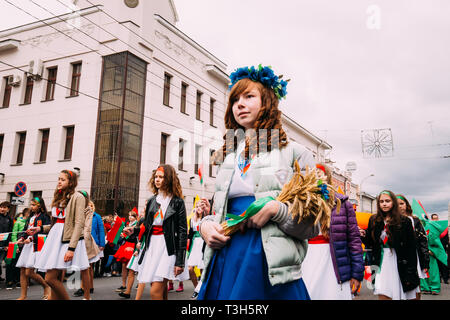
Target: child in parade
[(12, 271), (333, 267), (195, 241), (30, 252), (65, 247), (126, 250), (6, 226), (164, 252), (393, 242), (423, 257), (263, 261)]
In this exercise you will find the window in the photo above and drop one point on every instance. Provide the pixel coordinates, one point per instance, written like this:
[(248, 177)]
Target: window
[(21, 148), (69, 143), (211, 111), (198, 149), (181, 153), (51, 83), (167, 78), (163, 151), (76, 75), (211, 152), (2, 137), (198, 105), (6, 93), (28, 90), (183, 97), (44, 145)]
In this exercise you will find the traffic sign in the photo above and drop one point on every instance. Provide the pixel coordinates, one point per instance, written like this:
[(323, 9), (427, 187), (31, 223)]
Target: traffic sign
[(20, 189)]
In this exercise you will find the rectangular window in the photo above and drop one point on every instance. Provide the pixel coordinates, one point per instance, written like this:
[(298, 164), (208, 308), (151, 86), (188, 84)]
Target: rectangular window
[(211, 111), (21, 148), (69, 143), (198, 105), (181, 154), (167, 78), (211, 152), (6, 93), (163, 151), (2, 137), (76, 75), (44, 145), (51, 83), (28, 90), (198, 149), (183, 97)]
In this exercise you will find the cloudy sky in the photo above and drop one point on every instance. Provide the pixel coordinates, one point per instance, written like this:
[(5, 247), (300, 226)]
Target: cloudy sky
[(354, 65)]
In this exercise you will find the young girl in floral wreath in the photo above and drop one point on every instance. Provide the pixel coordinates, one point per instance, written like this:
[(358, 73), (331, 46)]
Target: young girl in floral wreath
[(263, 261), (393, 242), (65, 247), (164, 252), (334, 267), (31, 251)]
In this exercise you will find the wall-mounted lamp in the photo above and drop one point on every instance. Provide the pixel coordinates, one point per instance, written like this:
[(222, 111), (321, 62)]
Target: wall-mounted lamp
[(2, 177), (77, 171), (191, 179)]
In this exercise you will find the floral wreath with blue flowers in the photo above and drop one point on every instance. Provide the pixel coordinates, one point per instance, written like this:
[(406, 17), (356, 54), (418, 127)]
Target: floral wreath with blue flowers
[(264, 75)]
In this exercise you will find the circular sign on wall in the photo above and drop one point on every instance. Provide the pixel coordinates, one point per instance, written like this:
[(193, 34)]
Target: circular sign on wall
[(20, 189), (132, 3)]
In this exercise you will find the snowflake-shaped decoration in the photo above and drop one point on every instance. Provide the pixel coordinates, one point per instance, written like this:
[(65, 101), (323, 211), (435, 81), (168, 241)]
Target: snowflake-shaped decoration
[(377, 143)]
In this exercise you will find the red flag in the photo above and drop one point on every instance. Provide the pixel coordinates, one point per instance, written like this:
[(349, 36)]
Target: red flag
[(114, 234), (12, 248), (41, 241), (200, 174), (367, 273), (141, 231)]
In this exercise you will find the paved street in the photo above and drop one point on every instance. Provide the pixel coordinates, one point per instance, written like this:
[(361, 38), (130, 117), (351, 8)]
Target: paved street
[(105, 290)]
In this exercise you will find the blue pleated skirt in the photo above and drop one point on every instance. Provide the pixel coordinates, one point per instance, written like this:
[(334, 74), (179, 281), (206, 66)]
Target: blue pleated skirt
[(239, 270)]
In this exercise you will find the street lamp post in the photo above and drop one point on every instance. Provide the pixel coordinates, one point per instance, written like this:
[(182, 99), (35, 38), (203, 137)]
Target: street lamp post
[(360, 191)]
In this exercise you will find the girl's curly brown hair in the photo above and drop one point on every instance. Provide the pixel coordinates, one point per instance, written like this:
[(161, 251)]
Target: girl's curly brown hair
[(170, 185), (269, 118), (61, 197)]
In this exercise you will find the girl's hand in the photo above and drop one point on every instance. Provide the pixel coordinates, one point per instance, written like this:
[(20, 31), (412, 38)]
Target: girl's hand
[(27, 241), (260, 219), (68, 256), (212, 233), (33, 230), (20, 241), (177, 270), (354, 285), (206, 206), (425, 270), (138, 246), (128, 230)]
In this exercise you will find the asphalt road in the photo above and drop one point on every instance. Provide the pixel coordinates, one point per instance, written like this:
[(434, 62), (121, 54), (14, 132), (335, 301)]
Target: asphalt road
[(104, 289)]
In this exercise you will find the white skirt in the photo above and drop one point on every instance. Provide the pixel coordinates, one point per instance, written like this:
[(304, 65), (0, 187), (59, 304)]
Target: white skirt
[(157, 264), (196, 255), (387, 280), (133, 263), (27, 257), (319, 276), (96, 258), (53, 251)]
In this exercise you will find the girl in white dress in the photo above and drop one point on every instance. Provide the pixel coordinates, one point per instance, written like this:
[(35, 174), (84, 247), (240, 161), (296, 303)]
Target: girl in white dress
[(64, 248), (30, 252), (164, 253)]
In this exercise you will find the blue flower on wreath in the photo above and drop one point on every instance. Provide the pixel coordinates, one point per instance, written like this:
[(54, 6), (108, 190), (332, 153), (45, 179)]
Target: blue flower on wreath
[(324, 190), (264, 75)]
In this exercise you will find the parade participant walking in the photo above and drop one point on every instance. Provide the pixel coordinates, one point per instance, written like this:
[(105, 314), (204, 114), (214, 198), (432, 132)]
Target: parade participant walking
[(392, 239), (126, 250), (263, 261), (31, 250), (64, 248), (333, 267), (195, 252), (164, 252), (6, 226), (98, 233), (12, 271), (423, 257)]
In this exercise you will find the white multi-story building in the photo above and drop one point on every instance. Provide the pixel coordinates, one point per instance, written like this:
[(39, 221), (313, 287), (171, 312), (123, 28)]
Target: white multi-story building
[(110, 91)]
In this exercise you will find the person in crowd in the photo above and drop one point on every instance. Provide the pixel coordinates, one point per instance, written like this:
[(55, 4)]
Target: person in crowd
[(65, 247), (394, 251), (126, 250), (195, 243), (92, 250), (105, 268), (164, 253), (264, 260), (31, 248), (333, 267), (423, 257), (443, 269), (6, 226), (98, 233)]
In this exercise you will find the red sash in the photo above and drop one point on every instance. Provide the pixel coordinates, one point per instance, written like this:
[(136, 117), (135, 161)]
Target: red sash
[(318, 239), (60, 220), (157, 230)]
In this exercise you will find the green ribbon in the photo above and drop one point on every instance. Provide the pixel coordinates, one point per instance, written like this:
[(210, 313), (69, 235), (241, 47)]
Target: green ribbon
[(252, 209)]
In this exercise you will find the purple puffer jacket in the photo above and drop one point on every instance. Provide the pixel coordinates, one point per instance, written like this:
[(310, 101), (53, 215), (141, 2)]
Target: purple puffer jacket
[(345, 243)]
